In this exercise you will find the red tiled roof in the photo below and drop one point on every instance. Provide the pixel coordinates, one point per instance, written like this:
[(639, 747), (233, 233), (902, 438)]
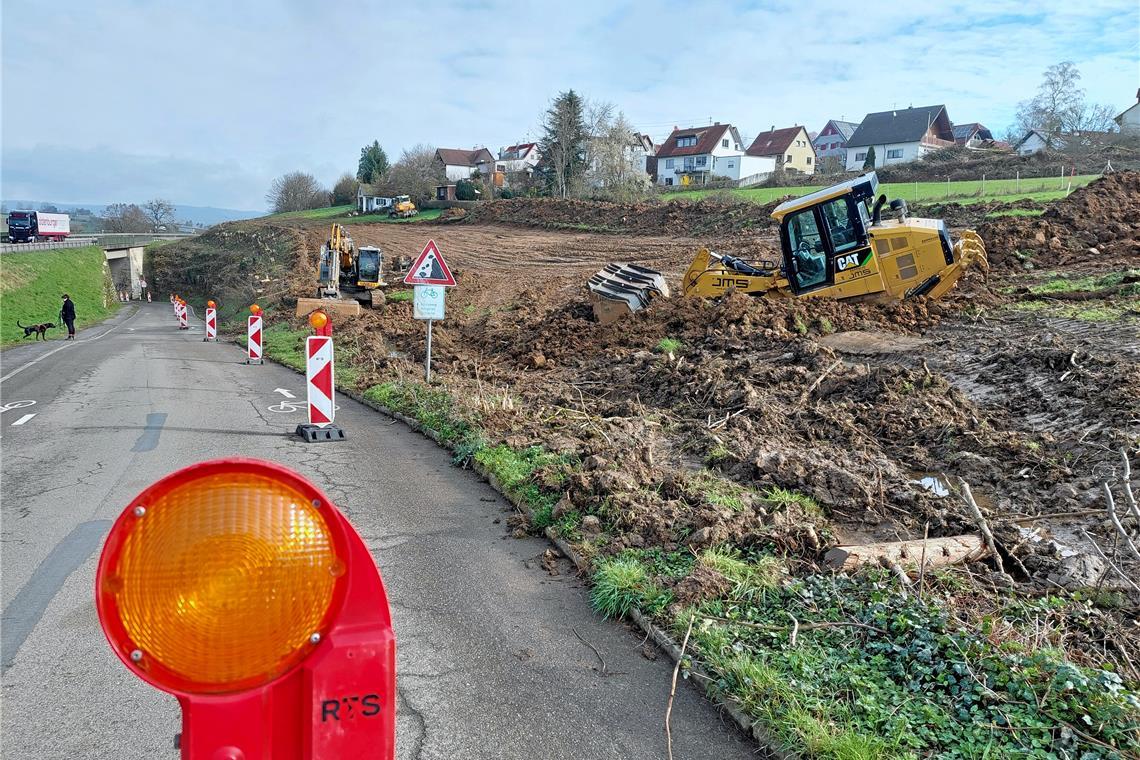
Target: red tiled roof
[(707, 138), (775, 142), (522, 148), (454, 157)]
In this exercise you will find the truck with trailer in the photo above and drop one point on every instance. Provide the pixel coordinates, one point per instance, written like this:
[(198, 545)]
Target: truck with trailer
[(36, 226)]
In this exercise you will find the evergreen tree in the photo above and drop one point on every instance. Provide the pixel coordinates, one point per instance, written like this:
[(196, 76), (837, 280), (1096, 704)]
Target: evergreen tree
[(563, 145), (869, 162), (373, 163)]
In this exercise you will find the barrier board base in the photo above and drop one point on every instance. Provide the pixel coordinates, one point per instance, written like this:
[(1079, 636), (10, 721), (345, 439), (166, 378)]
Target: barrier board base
[(314, 434)]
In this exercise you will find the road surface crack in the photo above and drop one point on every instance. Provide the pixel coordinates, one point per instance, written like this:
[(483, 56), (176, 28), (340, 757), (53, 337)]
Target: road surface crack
[(418, 718)]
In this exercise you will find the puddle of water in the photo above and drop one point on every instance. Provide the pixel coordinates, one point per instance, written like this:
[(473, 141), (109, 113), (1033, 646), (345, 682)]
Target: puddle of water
[(932, 483)]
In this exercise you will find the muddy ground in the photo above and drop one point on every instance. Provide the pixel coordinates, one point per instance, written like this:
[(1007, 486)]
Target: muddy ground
[(875, 412)]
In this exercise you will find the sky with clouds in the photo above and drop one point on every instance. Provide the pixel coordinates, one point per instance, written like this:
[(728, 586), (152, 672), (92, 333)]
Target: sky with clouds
[(206, 102)]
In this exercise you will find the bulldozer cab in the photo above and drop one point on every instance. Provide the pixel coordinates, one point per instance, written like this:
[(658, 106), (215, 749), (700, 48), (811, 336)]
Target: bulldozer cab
[(825, 234)]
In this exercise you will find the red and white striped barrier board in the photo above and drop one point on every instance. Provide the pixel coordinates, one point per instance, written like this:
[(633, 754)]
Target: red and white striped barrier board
[(319, 379), (182, 323), (211, 323), (254, 340)]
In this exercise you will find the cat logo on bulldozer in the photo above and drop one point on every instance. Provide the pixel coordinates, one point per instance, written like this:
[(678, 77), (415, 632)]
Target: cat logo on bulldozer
[(850, 261)]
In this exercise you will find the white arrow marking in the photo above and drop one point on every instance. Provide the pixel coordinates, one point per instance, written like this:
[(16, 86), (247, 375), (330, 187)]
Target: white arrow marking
[(23, 419), (284, 392)]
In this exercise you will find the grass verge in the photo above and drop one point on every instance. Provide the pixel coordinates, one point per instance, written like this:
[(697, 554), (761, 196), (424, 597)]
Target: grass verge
[(32, 282), (341, 214)]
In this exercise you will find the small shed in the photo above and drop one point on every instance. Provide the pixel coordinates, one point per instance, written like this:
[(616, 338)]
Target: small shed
[(445, 192)]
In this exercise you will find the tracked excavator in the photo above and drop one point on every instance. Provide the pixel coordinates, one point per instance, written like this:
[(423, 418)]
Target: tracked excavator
[(347, 277), (834, 244)]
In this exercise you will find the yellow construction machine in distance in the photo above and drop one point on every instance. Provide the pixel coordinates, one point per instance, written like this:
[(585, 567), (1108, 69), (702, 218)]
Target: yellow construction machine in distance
[(403, 207), (347, 277), (834, 243)]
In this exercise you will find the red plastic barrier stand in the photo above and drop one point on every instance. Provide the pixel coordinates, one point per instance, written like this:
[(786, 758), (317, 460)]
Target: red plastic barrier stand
[(319, 379), (211, 323), (253, 340)]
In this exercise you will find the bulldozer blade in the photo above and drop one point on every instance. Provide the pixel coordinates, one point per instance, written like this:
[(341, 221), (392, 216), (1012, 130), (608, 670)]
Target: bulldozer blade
[(622, 289), (333, 306)]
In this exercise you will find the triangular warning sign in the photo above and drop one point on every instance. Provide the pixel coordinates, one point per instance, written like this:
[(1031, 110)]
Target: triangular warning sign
[(430, 268)]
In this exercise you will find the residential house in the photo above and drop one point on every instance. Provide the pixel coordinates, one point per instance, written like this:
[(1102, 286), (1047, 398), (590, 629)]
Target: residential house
[(1129, 119), (517, 158), (462, 164), (699, 154), (900, 135), (972, 135), (790, 147), (369, 199), (831, 142), (1031, 143)]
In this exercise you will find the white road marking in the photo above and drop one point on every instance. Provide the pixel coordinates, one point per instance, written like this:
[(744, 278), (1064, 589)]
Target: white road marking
[(67, 344), (284, 392), (16, 405), (23, 419)]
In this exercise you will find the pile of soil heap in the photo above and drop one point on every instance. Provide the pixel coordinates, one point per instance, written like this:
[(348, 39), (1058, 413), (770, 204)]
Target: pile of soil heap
[(1096, 224), (683, 218)]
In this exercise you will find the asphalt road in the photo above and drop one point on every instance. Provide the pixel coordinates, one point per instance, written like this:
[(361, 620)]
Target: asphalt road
[(489, 664)]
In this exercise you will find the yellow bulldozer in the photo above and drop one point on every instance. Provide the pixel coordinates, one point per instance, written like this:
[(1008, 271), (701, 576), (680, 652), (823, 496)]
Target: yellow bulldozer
[(347, 277), (834, 244), (402, 207)]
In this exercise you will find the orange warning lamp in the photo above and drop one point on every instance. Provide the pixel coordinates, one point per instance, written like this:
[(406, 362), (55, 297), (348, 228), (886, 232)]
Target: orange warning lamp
[(318, 319), (211, 304), (237, 586), (254, 309)]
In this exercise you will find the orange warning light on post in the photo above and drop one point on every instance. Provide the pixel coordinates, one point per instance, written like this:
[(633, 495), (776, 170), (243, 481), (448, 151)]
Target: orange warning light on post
[(211, 304), (318, 319), (254, 309)]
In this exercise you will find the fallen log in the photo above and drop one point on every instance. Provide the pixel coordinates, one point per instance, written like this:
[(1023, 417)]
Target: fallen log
[(939, 552)]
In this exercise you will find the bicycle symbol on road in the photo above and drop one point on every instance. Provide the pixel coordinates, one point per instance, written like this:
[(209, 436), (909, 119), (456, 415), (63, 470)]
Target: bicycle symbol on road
[(289, 405), (16, 405)]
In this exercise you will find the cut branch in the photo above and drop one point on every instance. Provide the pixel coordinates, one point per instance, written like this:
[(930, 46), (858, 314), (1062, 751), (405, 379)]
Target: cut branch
[(912, 556)]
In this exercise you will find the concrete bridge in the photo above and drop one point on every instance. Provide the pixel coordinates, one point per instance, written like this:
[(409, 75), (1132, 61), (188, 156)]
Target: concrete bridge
[(126, 265)]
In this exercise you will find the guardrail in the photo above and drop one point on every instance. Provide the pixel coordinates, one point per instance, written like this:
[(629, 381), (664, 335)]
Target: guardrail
[(75, 242)]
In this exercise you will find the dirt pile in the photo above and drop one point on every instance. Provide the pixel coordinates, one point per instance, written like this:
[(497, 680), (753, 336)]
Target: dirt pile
[(678, 217), (1097, 225), (960, 163)]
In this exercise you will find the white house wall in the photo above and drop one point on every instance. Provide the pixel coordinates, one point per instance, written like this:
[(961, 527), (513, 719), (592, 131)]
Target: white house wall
[(908, 152)]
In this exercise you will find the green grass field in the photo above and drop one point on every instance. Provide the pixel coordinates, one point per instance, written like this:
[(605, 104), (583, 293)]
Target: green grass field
[(962, 192), (32, 282), (340, 214)]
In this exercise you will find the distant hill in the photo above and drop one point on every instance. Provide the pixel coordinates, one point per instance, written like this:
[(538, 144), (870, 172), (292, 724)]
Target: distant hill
[(206, 215)]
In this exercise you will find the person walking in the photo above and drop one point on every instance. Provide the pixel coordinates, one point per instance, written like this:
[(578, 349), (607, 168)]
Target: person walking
[(67, 316)]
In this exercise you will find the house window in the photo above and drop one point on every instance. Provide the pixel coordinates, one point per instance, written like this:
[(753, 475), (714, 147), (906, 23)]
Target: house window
[(809, 159), (686, 142), (702, 160), (668, 180), (731, 165), (860, 156), (788, 159), (896, 153), (724, 143), (668, 163)]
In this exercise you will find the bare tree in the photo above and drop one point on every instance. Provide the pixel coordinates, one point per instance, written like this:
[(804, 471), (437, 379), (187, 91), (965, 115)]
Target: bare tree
[(160, 212), (1060, 107), (615, 159), (344, 191), (296, 191), (417, 174), (125, 217)]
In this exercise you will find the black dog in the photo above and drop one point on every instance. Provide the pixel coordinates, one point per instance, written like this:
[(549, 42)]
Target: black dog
[(40, 330)]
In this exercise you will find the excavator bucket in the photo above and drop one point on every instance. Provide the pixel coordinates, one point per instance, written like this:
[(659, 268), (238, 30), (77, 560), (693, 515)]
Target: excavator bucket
[(621, 289)]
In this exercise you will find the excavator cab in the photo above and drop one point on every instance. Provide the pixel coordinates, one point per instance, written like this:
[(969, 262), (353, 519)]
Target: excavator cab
[(369, 261)]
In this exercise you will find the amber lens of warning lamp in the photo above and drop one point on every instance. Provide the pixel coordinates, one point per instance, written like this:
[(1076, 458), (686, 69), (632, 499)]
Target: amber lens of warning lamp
[(318, 319), (255, 309), (211, 304), (222, 582)]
